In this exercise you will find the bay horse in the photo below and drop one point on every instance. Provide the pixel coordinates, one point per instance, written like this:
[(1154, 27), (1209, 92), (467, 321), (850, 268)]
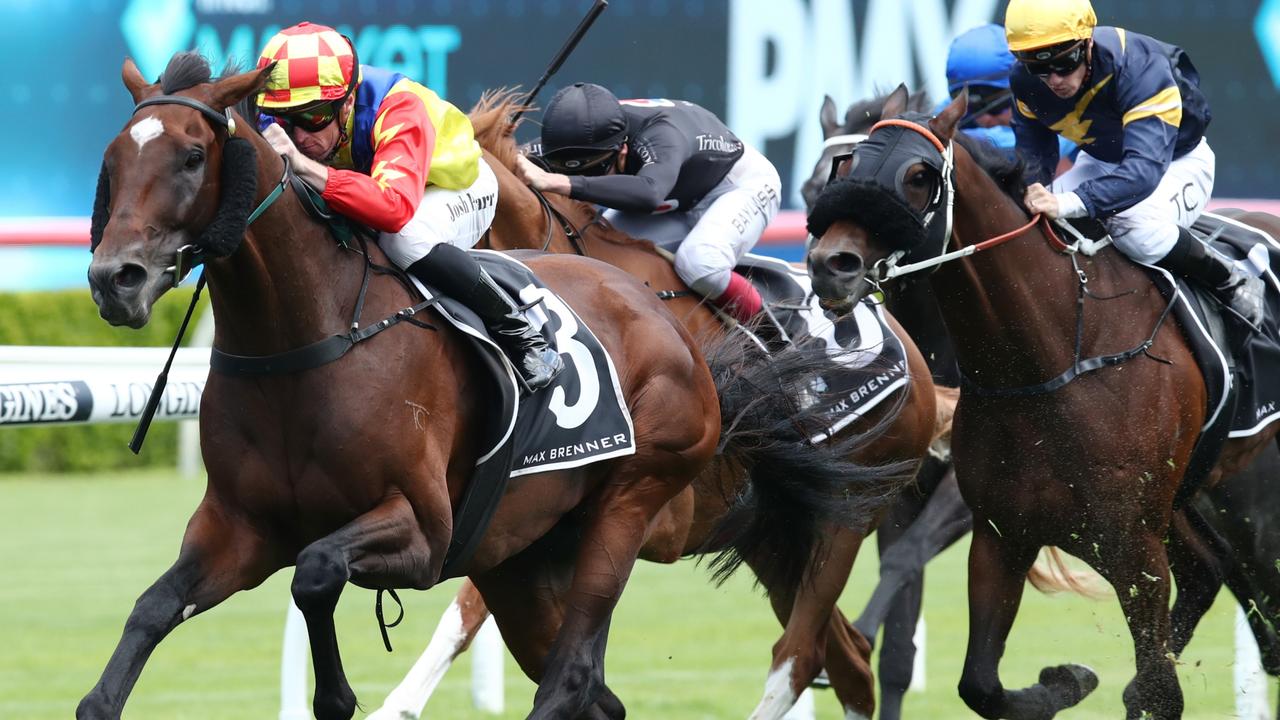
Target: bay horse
[(1092, 466), (816, 635), (932, 516), (353, 469)]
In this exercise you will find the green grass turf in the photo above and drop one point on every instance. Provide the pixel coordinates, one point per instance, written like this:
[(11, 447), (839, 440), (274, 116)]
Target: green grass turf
[(78, 550)]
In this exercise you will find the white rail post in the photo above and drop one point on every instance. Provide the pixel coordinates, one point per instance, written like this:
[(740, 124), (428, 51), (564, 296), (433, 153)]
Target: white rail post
[(189, 461), (918, 665), (1250, 679), (487, 655), (293, 667)]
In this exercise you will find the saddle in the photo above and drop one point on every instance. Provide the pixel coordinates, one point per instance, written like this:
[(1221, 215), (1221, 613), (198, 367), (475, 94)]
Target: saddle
[(1238, 365)]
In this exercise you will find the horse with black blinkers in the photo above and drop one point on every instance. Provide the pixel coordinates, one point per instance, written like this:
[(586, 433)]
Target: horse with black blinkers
[(1090, 459)]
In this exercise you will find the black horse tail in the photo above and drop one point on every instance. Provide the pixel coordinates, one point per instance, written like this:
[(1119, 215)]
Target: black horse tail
[(797, 490)]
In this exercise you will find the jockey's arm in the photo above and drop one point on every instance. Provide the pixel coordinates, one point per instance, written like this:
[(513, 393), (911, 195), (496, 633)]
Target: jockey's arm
[(1152, 107), (662, 150), (1036, 144), (387, 198)]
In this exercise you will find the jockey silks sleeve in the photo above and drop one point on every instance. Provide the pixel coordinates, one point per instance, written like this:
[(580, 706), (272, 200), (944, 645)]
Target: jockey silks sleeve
[(1139, 108), (403, 140), (677, 152)]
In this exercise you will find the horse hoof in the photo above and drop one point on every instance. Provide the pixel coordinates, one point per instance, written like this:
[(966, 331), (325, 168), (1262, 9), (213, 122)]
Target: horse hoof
[(1069, 683)]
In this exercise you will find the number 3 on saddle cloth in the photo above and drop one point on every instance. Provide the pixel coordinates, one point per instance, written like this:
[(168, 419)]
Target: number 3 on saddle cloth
[(873, 358), (579, 419)]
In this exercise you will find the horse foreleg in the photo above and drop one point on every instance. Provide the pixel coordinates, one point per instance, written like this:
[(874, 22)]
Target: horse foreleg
[(219, 556), (526, 595), (574, 677), (997, 574), (1137, 567), (383, 548), (457, 628), (944, 520), (806, 614)]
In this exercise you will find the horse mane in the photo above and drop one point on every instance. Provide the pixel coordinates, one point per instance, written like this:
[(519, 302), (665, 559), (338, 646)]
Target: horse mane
[(862, 114), (1008, 172), (491, 121), (185, 70)]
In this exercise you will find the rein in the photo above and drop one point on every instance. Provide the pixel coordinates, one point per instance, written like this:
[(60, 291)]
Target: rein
[(571, 231), (887, 268), (304, 358)]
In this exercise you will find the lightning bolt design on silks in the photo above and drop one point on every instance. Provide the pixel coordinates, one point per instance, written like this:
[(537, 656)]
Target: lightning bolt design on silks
[(1072, 126), (384, 173)]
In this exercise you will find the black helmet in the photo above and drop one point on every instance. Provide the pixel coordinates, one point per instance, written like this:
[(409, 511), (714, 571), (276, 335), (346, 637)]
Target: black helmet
[(583, 129)]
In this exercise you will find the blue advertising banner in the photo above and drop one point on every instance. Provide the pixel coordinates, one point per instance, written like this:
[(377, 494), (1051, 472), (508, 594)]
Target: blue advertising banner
[(762, 65)]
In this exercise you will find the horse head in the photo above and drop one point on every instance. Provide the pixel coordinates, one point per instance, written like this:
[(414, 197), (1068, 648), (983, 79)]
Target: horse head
[(839, 137), (889, 202), (176, 186)]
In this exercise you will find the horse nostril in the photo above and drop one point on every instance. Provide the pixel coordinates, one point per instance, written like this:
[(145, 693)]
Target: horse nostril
[(129, 276), (845, 263)]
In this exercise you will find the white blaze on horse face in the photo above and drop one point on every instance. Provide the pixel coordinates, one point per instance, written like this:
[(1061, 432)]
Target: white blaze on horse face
[(146, 130)]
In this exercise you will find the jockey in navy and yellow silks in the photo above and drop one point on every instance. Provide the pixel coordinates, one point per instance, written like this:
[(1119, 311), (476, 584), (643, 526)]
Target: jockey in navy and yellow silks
[(391, 154), (1134, 107)]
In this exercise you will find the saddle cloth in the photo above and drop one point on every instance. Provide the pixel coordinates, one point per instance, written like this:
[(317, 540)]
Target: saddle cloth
[(581, 418), (1240, 366), (873, 358)]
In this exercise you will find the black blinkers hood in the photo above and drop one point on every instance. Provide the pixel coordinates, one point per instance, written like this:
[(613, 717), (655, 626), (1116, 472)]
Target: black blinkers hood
[(880, 212)]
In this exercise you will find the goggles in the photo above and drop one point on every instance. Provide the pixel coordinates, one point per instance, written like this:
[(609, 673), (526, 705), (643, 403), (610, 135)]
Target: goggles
[(985, 100), (589, 163), (1053, 60), (312, 120)]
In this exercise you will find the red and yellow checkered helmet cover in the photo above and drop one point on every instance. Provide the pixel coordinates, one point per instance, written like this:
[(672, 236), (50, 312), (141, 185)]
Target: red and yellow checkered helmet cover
[(313, 63)]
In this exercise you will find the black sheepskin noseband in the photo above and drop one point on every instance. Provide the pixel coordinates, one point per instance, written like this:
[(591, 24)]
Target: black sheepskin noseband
[(890, 221), (239, 182)]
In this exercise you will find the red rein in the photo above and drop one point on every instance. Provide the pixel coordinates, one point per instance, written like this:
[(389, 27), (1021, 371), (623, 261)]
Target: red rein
[(1048, 231)]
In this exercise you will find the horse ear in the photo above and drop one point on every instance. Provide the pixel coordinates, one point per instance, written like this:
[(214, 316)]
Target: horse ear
[(827, 116), (229, 91), (896, 103), (945, 124), (138, 86)]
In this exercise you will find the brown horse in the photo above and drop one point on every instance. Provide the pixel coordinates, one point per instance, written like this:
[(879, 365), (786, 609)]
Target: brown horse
[(354, 469), (1092, 466), (816, 634)]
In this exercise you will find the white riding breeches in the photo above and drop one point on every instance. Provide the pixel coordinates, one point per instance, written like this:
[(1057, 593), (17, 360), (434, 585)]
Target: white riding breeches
[(711, 237), (1147, 231), (455, 217)]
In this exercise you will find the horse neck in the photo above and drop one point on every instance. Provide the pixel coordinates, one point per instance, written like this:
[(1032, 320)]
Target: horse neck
[(288, 284), (1010, 310)]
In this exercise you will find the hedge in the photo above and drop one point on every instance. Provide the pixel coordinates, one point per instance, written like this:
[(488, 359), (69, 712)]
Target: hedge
[(70, 318)]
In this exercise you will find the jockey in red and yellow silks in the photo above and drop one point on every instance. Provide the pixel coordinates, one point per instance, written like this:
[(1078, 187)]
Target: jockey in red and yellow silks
[(391, 154)]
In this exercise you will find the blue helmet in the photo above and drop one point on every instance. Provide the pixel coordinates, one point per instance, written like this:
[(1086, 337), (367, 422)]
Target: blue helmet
[(979, 57)]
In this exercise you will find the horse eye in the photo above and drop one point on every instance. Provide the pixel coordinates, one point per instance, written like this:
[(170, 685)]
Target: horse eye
[(195, 159), (918, 180)]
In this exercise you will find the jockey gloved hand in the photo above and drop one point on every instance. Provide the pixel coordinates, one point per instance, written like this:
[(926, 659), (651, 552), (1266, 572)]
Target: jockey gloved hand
[(541, 180), (1052, 205), (314, 173)]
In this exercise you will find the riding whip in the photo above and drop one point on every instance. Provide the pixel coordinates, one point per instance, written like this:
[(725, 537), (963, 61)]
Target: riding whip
[(596, 8)]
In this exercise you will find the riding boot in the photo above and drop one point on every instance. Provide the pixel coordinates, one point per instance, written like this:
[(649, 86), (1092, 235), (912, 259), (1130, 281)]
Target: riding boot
[(455, 273), (1238, 290)]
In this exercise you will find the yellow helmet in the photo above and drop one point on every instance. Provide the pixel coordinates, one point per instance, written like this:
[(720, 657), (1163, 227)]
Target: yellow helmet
[(1030, 24)]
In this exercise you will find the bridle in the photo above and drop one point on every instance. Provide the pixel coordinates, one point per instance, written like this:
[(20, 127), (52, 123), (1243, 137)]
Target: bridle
[(888, 268)]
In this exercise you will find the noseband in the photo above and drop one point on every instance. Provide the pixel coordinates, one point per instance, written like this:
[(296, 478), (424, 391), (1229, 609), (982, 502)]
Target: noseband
[(239, 186), (888, 268)]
